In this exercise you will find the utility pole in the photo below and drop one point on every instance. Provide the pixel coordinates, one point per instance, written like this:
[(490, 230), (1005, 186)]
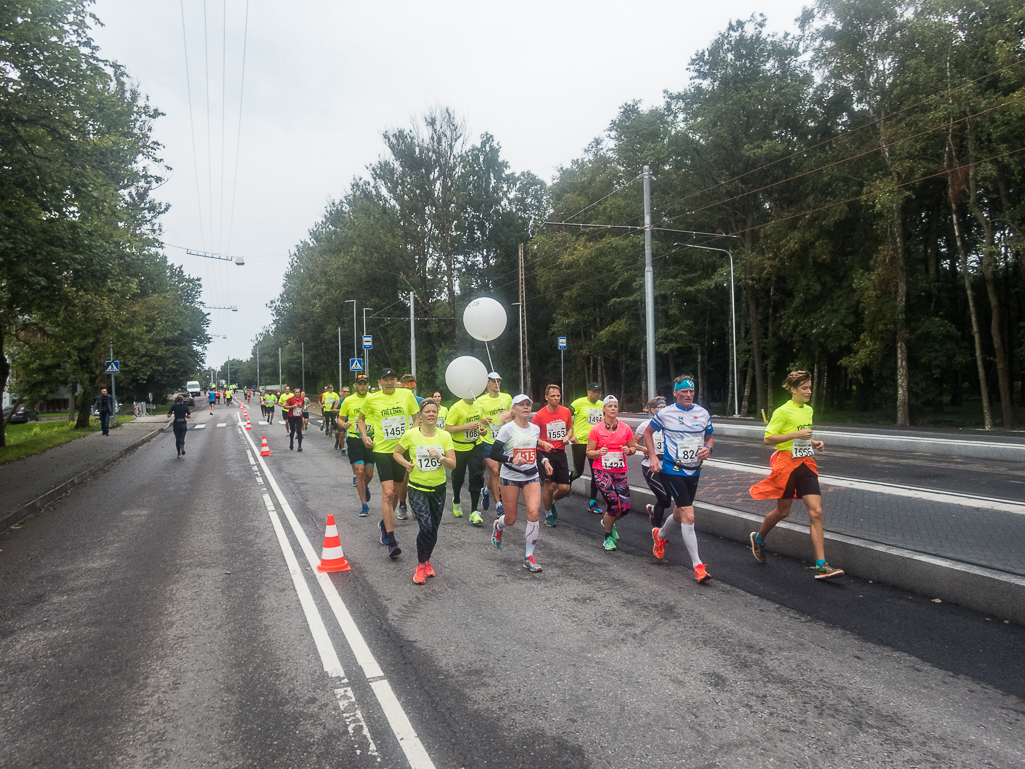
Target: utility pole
[(257, 364), (412, 336), (525, 350), (302, 347), (113, 388), (649, 289), (339, 359), (520, 306), (279, 368)]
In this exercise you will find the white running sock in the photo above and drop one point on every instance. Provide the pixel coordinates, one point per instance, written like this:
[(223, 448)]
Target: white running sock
[(501, 522), (690, 539), (668, 528), (533, 532)]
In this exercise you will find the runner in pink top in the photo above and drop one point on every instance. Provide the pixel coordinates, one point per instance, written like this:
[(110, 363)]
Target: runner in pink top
[(609, 443)]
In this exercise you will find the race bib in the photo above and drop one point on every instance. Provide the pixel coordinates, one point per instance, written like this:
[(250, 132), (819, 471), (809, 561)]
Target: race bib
[(802, 448), (613, 460), (557, 431), (441, 422), (659, 444), (687, 449), (594, 416), (527, 456), (425, 462), (297, 412), (472, 435), (393, 427), (494, 428)]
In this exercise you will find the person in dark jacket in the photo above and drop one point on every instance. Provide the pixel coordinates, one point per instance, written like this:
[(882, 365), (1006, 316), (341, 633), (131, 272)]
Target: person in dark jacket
[(105, 406), (181, 414)]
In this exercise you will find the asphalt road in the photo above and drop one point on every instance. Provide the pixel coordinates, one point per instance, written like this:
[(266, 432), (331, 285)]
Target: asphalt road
[(153, 618)]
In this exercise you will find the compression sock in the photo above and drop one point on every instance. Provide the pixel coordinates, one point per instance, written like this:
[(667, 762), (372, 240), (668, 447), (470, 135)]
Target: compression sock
[(690, 539), (501, 522), (759, 540), (821, 562), (668, 528), (533, 531)]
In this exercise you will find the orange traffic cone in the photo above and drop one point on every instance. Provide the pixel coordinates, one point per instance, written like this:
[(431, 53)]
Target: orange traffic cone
[(249, 425), (332, 558), (264, 449)]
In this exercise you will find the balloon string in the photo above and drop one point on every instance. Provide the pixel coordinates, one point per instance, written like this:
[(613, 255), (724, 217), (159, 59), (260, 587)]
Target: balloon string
[(489, 355)]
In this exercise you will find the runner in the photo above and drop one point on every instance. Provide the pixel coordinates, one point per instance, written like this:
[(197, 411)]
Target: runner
[(272, 402), (687, 435), (430, 453), (340, 437), (294, 408), (553, 421), (180, 425), (515, 449), (495, 406), (283, 401), (408, 381), (212, 397), (794, 472), (361, 460), (306, 410), (657, 511), (327, 402), (442, 410), (587, 412), (227, 396), (464, 422), (388, 412), (609, 443)]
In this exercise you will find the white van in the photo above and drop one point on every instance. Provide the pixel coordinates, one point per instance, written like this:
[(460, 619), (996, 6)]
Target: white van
[(194, 389)]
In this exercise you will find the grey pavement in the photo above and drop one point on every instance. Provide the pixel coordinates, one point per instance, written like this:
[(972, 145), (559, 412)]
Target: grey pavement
[(25, 480)]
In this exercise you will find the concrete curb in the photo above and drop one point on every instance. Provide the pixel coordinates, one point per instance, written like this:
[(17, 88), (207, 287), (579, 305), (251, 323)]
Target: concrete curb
[(974, 587), (23, 512)]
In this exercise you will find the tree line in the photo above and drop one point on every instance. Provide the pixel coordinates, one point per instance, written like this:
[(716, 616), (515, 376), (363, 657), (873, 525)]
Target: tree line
[(864, 173), (80, 261)]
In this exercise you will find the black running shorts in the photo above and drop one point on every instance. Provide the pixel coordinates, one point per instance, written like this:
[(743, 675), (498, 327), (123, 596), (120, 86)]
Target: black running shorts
[(560, 466), (682, 487)]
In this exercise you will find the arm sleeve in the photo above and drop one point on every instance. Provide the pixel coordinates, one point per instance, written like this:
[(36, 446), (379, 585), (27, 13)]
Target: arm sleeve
[(497, 451)]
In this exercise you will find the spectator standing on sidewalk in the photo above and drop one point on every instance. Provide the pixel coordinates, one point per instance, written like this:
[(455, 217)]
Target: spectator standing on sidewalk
[(105, 406)]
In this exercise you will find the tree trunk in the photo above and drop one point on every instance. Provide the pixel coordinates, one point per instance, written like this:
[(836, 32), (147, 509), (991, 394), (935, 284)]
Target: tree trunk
[(71, 400), (901, 290), (756, 342), (84, 407), (747, 389), (5, 371), (768, 357)]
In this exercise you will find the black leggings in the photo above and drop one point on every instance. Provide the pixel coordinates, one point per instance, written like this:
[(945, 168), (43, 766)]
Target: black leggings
[(179, 435), (662, 498), (295, 428), (427, 507), (579, 455), (474, 459)]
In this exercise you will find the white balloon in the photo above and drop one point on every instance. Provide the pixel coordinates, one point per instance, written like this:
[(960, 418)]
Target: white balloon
[(466, 377), (484, 319)]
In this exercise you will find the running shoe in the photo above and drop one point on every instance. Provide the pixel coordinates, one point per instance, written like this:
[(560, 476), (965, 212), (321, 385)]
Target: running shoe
[(554, 511), (457, 510), (343, 453), (420, 575), (291, 447), (394, 551), (610, 542), (757, 549), (660, 545), (368, 491), (384, 533), (496, 536), (354, 480), (364, 510), (615, 534), (428, 569), (475, 519), (651, 515), (701, 574), (300, 449), (550, 520), (486, 500), (825, 571), (402, 512), (499, 509), (530, 564), (594, 508)]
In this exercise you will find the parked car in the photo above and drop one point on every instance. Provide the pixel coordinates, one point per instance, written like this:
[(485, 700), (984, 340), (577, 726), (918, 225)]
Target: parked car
[(187, 396), (22, 414)]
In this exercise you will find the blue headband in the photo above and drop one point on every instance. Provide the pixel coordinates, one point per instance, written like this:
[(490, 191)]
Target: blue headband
[(686, 384)]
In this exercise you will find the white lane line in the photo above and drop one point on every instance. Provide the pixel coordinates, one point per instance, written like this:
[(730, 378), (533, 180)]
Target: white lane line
[(329, 657), (199, 427), (222, 424), (411, 746), (894, 489)]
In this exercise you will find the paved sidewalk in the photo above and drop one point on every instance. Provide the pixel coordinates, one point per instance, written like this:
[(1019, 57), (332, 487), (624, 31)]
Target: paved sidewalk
[(25, 480)]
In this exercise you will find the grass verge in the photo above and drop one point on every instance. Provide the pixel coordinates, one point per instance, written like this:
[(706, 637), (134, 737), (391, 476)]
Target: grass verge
[(36, 437)]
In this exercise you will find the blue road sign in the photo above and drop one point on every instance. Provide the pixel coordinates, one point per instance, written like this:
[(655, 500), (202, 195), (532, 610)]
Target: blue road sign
[(368, 342), (112, 367), (355, 364), (562, 343)]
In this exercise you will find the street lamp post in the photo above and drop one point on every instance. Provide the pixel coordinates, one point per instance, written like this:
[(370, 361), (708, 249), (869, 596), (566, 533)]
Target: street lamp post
[(366, 355), (733, 312), (355, 354)]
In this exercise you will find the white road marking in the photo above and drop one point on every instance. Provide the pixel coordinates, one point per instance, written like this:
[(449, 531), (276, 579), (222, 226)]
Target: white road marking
[(199, 427), (411, 746), (895, 489), (262, 422), (329, 657), (222, 424)]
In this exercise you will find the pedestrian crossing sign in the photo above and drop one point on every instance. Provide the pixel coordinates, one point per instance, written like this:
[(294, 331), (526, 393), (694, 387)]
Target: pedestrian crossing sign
[(112, 367), (355, 364)]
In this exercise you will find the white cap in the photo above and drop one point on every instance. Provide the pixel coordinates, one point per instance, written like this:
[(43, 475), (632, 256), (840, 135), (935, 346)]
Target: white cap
[(610, 399), (521, 398), (494, 375)]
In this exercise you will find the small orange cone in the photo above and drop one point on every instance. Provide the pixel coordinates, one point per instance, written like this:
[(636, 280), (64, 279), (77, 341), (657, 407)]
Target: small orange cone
[(264, 449), (332, 558), (249, 425)]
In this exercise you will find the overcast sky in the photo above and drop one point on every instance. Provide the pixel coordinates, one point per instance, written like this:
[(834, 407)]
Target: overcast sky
[(324, 78)]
